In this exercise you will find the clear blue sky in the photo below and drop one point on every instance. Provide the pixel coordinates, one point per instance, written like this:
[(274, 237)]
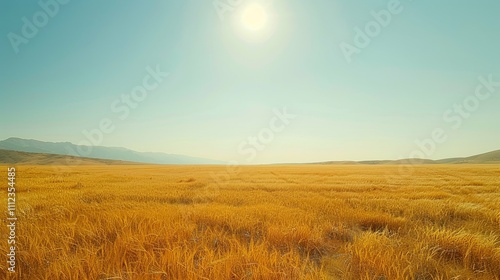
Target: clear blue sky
[(224, 79)]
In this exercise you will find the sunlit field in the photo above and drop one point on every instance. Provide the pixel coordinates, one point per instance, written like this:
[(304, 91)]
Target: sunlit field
[(265, 222)]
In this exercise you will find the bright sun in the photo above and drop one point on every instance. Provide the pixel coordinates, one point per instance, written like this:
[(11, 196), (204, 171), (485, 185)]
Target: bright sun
[(254, 17)]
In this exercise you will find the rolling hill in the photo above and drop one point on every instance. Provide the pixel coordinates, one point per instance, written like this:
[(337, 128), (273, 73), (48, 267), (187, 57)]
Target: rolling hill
[(99, 152), (15, 157), (486, 158)]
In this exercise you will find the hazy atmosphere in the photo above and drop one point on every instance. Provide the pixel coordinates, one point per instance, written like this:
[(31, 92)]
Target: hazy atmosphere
[(250, 139), (306, 80)]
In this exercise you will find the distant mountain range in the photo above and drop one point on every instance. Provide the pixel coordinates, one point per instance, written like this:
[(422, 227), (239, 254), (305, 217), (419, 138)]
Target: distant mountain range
[(97, 152), (15, 157), (23, 151)]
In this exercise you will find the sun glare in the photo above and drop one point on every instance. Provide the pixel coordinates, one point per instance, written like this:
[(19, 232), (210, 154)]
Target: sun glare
[(254, 17)]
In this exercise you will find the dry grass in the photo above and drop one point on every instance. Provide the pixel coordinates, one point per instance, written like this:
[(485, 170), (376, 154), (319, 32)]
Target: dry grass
[(269, 222)]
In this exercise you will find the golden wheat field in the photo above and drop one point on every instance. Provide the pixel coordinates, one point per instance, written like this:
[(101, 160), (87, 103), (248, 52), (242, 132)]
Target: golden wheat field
[(257, 222)]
